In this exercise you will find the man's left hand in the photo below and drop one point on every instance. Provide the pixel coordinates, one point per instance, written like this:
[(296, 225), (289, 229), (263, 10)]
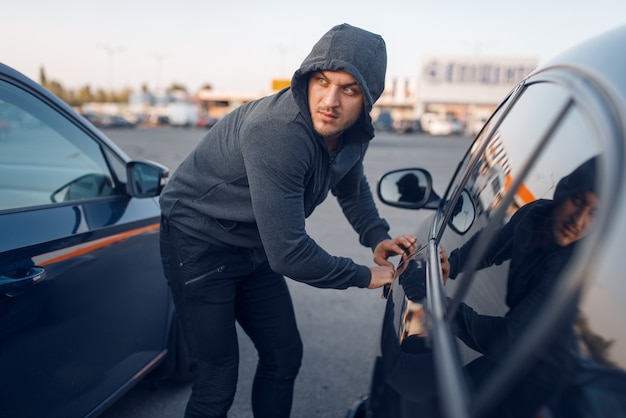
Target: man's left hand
[(401, 245)]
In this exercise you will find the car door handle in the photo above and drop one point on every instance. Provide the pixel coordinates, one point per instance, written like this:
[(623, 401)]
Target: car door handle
[(12, 286)]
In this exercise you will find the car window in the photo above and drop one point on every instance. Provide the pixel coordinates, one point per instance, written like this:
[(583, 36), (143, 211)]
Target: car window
[(473, 154), (45, 158), (507, 261)]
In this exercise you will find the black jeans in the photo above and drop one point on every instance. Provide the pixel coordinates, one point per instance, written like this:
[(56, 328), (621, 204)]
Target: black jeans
[(214, 286)]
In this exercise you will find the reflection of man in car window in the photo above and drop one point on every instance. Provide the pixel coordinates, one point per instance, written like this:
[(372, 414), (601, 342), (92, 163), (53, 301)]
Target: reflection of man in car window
[(539, 240), (409, 189)]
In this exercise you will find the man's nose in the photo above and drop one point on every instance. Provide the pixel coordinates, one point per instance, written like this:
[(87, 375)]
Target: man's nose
[(331, 97), (582, 215)]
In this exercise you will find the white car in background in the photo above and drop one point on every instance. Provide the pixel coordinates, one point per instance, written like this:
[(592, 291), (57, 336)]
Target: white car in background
[(446, 127), (440, 125)]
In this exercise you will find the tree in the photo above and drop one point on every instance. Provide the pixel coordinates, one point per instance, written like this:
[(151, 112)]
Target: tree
[(42, 77), (56, 88), (84, 95), (123, 96), (176, 87), (100, 96)]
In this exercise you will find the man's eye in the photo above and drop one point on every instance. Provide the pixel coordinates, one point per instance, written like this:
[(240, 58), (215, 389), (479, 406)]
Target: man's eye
[(578, 200)]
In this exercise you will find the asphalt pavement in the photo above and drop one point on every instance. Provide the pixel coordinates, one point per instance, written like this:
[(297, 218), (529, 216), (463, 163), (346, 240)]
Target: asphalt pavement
[(340, 328)]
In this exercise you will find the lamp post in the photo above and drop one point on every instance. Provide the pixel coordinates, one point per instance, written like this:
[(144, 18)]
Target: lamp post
[(111, 51), (159, 60)]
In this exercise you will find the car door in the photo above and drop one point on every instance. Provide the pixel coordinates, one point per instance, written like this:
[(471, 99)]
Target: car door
[(507, 356), (84, 305)]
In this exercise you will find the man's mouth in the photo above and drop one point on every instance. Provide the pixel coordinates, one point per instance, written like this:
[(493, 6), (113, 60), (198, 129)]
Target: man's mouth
[(569, 230), (328, 116)]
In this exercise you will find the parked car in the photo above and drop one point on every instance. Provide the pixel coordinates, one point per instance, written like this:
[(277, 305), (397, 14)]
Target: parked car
[(475, 124), (85, 312), (566, 352), (183, 114), (115, 121), (108, 121), (440, 125), (404, 126), (206, 122), (384, 122), (448, 126)]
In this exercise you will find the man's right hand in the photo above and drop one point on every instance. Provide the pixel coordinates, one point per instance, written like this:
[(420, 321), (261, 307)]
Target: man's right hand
[(381, 275)]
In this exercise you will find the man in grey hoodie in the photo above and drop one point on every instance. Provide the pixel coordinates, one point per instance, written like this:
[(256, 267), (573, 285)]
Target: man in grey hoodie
[(234, 213)]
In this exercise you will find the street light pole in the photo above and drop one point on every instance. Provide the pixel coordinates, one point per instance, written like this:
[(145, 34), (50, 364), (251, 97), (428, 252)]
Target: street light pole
[(111, 51), (159, 59)]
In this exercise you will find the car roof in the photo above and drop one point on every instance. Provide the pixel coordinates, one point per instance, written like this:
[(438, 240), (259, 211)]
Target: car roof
[(601, 59)]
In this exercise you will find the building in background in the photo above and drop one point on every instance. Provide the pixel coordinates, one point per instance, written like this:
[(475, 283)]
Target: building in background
[(449, 95)]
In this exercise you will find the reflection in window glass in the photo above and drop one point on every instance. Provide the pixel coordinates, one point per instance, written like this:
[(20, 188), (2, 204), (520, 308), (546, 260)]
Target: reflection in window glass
[(43, 157)]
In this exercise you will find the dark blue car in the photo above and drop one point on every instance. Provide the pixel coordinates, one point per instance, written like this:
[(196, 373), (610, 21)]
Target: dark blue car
[(85, 311)]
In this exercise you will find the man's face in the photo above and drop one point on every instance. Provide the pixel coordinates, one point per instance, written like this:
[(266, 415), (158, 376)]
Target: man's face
[(335, 102), (574, 217)]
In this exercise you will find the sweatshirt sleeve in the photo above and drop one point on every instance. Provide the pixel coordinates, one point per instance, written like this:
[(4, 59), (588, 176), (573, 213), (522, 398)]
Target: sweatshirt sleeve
[(277, 161), (357, 203), (488, 334), (498, 251)]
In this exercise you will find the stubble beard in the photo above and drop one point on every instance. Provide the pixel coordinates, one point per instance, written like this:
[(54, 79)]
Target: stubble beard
[(327, 131), (330, 134)]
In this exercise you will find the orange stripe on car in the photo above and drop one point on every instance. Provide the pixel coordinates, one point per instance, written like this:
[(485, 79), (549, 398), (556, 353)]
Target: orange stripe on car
[(87, 248), (523, 192)]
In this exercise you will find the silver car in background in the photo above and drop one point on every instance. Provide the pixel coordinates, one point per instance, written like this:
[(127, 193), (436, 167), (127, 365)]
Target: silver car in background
[(569, 110)]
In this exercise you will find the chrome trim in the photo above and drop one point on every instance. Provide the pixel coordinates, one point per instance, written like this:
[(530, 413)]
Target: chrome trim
[(455, 399)]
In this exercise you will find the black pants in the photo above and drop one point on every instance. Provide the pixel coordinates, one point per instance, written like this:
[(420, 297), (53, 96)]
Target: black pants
[(214, 286)]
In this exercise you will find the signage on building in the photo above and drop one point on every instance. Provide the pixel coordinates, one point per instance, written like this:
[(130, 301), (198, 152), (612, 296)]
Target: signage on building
[(473, 70), (280, 83), (469, 81)]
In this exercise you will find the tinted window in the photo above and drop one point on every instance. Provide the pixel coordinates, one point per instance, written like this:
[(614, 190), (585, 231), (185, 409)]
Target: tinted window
[(45, 158)]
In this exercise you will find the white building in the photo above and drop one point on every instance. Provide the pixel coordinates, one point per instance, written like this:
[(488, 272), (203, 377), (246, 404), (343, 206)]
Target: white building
[(464, 88)]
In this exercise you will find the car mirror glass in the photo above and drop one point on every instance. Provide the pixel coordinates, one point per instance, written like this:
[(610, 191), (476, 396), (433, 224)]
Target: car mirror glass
[(145, 179), (406, 188), (463, 214)]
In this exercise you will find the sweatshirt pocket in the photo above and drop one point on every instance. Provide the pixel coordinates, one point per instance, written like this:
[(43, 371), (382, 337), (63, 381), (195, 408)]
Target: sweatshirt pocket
[(208, 268)]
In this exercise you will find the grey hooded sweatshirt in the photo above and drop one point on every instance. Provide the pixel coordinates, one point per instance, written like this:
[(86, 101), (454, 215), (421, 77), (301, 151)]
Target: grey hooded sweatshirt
[(261, 171)]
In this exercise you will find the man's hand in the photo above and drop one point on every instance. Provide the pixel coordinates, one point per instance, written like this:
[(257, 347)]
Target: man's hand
[(386, 272), (381, 275), (445, 264), (401, 245)]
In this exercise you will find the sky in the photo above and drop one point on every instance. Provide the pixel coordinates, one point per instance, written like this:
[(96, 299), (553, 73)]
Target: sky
[(235, 45)]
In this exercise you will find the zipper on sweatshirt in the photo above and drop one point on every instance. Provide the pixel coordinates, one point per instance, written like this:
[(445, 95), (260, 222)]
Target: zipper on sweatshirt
[(333, 157), (205, 275)]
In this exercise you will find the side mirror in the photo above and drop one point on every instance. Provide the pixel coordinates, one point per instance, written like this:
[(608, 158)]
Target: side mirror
[(464, 213), (145, 178), (409, 188)]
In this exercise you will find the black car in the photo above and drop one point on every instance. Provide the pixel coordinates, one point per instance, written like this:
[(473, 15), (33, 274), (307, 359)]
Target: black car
[(85, 311), (533, 318)]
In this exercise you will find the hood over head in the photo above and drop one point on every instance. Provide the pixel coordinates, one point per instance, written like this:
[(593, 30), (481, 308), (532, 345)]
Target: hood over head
[(346, 48), (582, 179)]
